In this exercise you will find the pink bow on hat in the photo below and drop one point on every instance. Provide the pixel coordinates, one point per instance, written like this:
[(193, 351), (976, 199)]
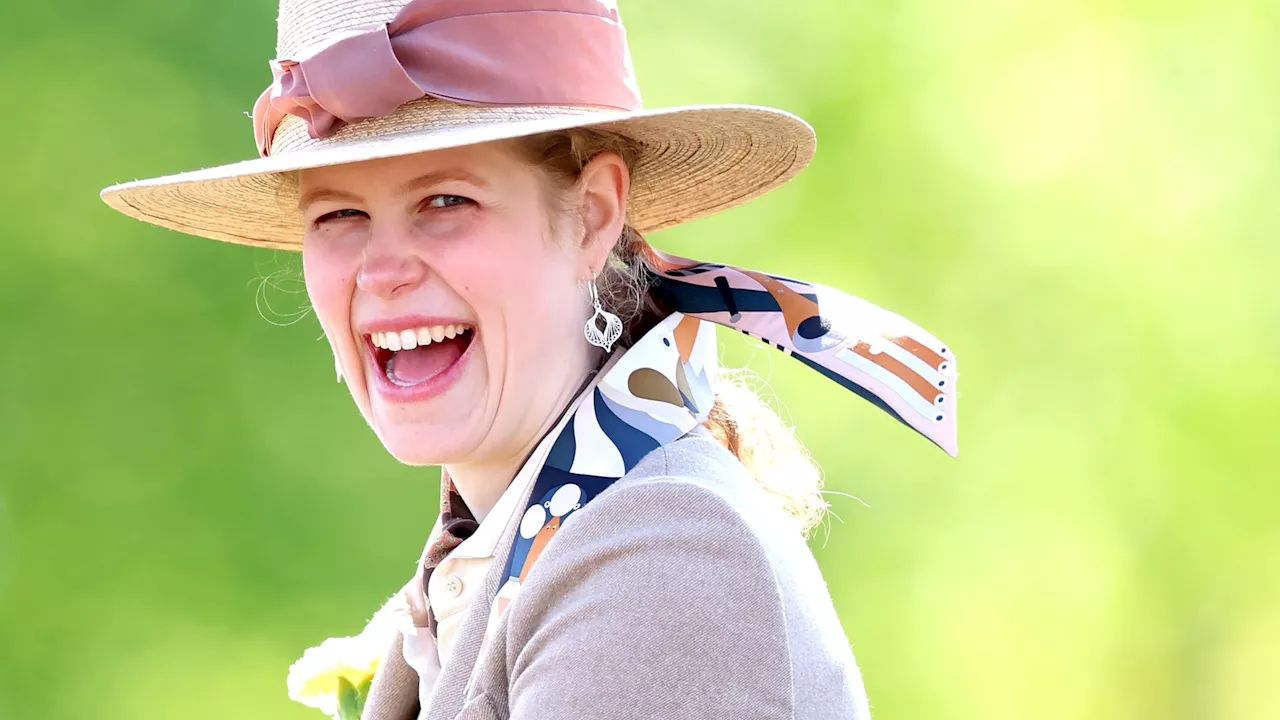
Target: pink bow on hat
[(475, 52)]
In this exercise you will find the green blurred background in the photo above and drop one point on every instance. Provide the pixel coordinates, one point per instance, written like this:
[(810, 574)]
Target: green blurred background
[(1079, 196)]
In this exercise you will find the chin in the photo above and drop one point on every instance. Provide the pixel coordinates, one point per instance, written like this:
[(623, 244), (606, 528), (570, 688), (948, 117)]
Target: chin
[(432, 445)]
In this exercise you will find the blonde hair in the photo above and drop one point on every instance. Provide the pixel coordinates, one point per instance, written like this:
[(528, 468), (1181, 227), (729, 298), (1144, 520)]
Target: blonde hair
[(740, 419)]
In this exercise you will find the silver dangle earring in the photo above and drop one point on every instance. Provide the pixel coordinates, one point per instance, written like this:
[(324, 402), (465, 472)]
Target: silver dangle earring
[(337, 366), (606, 337)]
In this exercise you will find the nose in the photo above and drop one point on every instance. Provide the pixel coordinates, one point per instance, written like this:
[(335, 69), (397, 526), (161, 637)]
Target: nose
[(389, 266)]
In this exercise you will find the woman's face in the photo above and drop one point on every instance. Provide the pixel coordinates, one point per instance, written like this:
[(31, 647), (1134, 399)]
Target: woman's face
[(454, 312)]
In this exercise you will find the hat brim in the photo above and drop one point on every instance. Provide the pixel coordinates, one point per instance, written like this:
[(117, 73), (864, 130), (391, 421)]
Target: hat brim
[(695, 160)]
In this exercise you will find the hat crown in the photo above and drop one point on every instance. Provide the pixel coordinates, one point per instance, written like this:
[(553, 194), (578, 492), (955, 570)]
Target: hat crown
[(303, 24), (306, 23)]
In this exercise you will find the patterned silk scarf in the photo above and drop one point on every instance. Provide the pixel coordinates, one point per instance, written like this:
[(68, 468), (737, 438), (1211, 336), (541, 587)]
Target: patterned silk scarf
[(664, 385)]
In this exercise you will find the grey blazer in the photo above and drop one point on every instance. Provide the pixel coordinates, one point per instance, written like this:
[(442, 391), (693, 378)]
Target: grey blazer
[(680, 592)]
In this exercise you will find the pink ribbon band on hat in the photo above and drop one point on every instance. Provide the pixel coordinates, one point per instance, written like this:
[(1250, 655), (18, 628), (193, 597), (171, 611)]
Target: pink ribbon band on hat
[(476, 52)]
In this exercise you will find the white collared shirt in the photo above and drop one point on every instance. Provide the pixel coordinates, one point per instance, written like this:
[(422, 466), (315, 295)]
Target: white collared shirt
[(458, 577), (456, 580)]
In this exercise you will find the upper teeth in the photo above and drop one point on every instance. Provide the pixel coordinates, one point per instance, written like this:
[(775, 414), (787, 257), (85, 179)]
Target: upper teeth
[(410, 339)]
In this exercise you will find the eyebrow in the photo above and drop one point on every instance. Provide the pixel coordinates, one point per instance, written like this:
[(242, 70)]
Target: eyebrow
[(422, 181)]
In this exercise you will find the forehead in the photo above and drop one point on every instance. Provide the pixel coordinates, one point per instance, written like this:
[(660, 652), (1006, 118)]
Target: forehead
[(487, 164)]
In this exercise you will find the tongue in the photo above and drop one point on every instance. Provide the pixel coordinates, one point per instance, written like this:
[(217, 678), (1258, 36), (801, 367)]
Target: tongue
[(410, 367)]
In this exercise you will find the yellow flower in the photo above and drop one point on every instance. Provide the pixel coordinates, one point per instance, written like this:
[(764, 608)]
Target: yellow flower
[(313, 679)]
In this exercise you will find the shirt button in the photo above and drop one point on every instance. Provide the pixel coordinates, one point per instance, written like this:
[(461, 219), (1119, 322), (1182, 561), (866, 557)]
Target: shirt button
[(452, 586)]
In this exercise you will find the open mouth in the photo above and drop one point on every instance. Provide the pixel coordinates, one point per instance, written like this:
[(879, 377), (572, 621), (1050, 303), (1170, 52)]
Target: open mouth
[(414, 356)]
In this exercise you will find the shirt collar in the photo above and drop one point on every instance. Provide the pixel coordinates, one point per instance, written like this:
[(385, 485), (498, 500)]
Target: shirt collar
[(483, 543)]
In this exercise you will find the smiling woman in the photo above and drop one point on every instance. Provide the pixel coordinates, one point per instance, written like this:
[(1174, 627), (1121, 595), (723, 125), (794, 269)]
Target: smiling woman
[(621, 529), (407, 247)]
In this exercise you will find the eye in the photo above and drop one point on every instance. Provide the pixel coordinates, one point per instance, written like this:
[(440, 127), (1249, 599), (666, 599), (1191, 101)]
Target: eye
[(340, 215), (445, 201)]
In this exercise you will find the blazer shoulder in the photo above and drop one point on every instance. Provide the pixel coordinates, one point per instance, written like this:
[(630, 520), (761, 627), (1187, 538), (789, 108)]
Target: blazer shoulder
[(660, 566), (681, 499), (697, 458), (692, 487), (687, 556), (698, 464)]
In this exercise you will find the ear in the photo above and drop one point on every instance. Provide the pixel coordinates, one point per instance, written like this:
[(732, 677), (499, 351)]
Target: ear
[(605, 183)]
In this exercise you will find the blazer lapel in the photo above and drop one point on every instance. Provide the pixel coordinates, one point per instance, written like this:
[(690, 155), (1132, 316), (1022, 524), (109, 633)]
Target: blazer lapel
[(394, 693), (450, 691)]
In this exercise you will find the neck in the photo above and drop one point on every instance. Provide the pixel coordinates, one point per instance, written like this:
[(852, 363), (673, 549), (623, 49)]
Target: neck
[(481, 483)]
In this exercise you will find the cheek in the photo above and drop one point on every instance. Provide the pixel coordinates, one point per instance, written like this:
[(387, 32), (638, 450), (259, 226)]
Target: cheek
[(532, 280), (330, 278), (541, 307)]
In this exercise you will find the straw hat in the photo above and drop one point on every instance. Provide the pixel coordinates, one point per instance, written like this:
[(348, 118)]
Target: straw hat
[(364, 79)]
